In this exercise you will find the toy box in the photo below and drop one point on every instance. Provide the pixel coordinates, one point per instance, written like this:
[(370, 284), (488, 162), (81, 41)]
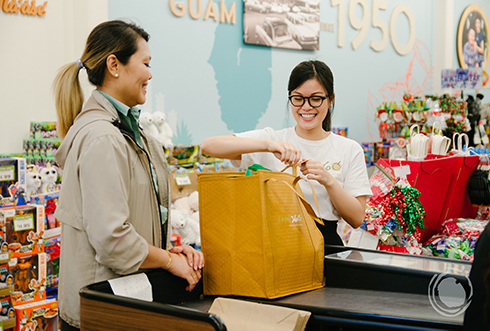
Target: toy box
[(52, 248), (49, 201), (29, 273), (12, 177), (37, 316), (185, 154), (183, 184), (43, 130), (4, 251), (340, 131), (6, 281), (203, 158), (44, 147), (7, 314), (23, 228)]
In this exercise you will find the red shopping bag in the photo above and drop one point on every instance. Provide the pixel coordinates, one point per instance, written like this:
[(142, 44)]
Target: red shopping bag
[(457, 202), (432, 179)]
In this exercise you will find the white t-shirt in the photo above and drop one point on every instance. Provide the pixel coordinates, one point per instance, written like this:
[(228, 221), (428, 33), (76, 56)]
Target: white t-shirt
[(342, 157)]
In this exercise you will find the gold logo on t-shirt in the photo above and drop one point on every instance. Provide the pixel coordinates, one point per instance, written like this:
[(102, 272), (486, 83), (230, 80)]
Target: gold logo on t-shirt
[(336, 166)]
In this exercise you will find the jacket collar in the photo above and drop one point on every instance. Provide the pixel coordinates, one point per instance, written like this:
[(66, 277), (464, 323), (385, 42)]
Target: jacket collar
[(118, 120)]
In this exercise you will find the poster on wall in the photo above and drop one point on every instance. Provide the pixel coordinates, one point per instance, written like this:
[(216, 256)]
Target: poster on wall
[(462, 79), (472, 38), (292, 24)]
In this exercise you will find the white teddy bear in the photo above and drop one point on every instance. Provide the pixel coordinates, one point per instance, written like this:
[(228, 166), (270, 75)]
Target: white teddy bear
[(146, 122), (183, 206), (193, 200), (33, 180), (195, 217), (48, 175), (165, 133), (186, 227)]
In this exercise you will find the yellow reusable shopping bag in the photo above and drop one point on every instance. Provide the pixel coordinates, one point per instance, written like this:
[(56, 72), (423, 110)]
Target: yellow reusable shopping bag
[(258, 235)]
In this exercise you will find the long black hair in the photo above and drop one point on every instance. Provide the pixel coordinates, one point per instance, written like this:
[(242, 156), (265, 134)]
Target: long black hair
[(321, 72)]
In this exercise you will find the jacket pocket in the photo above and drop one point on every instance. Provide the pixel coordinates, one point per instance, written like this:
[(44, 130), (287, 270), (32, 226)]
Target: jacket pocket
[(68, 218)]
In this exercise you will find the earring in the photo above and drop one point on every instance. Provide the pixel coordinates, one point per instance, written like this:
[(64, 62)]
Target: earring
[(116, 75)]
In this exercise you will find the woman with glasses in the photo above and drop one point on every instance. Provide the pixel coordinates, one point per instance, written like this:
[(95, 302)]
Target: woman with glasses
[(335, 165)]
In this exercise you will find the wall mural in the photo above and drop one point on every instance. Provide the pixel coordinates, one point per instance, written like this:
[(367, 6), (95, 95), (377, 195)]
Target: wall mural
[(293, 24), (408, 83)]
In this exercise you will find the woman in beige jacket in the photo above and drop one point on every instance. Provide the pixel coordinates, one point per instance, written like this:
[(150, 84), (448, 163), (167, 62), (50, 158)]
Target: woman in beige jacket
[(114, 200)]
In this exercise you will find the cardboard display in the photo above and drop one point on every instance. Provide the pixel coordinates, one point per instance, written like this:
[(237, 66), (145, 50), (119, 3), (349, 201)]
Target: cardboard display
[(182, 185)]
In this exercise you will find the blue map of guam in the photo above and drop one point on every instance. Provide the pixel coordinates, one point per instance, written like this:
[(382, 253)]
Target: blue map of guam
[(241, 72)]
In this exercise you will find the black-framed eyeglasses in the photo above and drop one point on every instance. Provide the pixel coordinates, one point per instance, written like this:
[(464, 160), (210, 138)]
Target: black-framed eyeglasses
[(314, 100)]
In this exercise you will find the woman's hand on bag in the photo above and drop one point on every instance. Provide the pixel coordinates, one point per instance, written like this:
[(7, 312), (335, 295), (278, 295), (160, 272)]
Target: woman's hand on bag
[(284, 151), (180, 267), (314, 169), (194, 257)]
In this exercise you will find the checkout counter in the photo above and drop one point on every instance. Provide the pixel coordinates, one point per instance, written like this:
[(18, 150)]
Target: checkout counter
[(365, 290)]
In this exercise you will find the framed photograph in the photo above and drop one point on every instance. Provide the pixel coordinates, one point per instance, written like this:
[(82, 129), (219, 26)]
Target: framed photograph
[(292, 24), (472, 38)]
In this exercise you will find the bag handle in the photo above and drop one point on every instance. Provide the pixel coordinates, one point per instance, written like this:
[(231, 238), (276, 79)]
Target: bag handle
[(307, 205), (297, 179), (295, 183), (295, 167)]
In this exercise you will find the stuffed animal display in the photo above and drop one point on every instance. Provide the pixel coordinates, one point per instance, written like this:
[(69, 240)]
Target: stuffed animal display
[(184, 219), (33, 180), (165, 132), (49, 175), (146, 122)]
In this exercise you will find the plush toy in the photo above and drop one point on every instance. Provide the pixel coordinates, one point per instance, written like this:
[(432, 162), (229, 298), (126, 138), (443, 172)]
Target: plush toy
[(165, 132), (186, 227), (33, 180), (193, 200), (195, 216), (160, 120), (48, 179), (183, 206), (177, 221), (146, 122)]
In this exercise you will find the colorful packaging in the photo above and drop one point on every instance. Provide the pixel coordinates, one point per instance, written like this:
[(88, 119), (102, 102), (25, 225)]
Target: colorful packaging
[(7, 314), (6, 281), (368, 148), (29, 274), (456, 238), (52, 247), (43, 130), (12, 178), (381, 182), (203, 158), (52, 227), (340, 131), (185, 154), (23, 228), (37, 316)]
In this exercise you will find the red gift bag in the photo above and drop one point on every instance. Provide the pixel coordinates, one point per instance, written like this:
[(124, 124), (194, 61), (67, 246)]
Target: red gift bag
[(432, 179), (458, 202)]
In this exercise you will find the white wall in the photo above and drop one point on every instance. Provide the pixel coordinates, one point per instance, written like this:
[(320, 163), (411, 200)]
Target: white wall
[(31, 51), (444, 40), (33, 48)]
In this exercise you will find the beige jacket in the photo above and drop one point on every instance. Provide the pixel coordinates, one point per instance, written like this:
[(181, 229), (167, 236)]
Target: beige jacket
[(108, 206)]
